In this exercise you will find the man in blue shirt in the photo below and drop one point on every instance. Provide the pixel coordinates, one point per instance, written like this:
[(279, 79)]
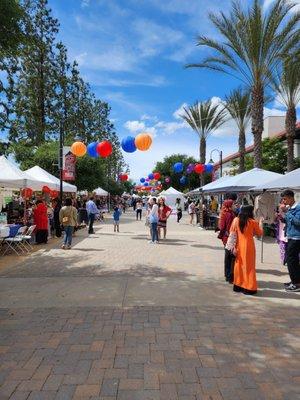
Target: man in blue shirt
[(92, 211), (291, 213)]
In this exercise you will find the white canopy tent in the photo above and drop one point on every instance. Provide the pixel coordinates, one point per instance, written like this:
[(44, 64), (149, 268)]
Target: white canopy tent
[(290, 180), (12, 177), (100, 192), (241, 182), (208, 186), (171, 195), (51, 181)]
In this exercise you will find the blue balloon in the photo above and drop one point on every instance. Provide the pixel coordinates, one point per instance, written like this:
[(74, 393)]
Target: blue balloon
[(178, 167), (151, 176), (92, 149), (183, 180), (146, 184), (209, 168), (128, 144), (142, 180)]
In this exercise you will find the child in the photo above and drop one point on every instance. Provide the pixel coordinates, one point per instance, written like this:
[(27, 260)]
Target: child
[(116, 217)]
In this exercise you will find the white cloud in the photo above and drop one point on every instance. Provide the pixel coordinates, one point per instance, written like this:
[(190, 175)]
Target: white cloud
[(146, 117), (169, 128), (135, 126), (85, 3), (177, 114)]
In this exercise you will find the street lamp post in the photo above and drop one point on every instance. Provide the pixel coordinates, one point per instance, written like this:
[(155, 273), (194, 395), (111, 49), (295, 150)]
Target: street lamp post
[(61, 148), (221, 160)]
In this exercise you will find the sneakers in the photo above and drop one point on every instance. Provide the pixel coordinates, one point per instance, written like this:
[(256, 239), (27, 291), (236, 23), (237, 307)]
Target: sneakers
[(156, 242), (150, 242), (292, 288), (287, 284), (63, 246)]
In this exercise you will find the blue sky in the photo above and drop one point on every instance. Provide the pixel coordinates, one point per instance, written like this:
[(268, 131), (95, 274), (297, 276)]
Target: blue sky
[(133, 53)]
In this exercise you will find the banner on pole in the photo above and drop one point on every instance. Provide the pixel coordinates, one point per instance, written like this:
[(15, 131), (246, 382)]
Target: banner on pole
[(69, 164)]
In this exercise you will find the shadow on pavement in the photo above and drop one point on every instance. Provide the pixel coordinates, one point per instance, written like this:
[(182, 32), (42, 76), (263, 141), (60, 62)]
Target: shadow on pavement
[(206, 246), (276, 294), (271, 272)]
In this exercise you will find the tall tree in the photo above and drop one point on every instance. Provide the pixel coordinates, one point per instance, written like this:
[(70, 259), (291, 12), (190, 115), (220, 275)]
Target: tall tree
[(237, 103), (35, 88), (286, 84), (204, 118), (253, 43)]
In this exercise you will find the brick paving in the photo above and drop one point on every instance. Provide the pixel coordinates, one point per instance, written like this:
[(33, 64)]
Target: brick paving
[(184, 353), (226, 347)]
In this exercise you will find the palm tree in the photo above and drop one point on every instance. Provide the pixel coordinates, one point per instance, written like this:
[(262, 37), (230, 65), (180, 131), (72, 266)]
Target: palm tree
[(286, 84), (253, 43), (237, 103), (204, 118)]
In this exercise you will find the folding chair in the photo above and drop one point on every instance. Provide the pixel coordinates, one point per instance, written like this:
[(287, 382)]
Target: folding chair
[(16, 243), (28, 236)]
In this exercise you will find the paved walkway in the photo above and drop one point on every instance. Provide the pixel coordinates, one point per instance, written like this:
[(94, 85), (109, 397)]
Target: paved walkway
[(117, 318)]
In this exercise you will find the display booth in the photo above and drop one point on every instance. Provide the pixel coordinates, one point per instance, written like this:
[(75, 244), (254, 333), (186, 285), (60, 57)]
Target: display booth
[(53, 182), (102, 199)]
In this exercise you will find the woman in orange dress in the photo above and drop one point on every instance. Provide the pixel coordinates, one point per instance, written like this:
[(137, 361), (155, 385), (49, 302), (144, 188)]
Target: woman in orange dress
[(246, 228)]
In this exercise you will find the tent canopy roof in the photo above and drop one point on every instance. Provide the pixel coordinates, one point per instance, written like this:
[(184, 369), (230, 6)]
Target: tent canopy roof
[(241, 182), (51, 181), (171, 190), (100, 192), (12, 177), (290, 180)]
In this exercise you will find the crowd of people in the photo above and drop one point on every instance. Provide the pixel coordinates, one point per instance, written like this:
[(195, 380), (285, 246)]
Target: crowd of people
[(237, 229)]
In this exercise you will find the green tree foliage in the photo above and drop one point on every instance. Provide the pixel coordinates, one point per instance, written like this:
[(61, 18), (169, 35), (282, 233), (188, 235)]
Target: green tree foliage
[(165, 168), (45, 93), (11, 27), (274, 157)]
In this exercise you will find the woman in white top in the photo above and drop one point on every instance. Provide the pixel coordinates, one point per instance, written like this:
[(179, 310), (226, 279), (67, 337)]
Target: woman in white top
[(191, 211), (153, 219)]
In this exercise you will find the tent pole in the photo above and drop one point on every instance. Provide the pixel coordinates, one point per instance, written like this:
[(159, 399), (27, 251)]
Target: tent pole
[(262, 249), (61, 148)]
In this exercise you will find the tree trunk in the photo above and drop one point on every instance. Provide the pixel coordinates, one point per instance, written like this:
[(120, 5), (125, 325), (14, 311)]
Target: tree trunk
[(242, 145), (202, 157), (257, 114), (290, 129)]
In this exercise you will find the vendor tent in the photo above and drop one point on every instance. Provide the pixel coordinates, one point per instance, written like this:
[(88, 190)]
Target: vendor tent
[(242, 182), (171, 195), (289, 181), (100, 192), (51, 181), (12, 177)]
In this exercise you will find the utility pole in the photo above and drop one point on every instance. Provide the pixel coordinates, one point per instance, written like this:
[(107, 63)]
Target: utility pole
[(61, 166)]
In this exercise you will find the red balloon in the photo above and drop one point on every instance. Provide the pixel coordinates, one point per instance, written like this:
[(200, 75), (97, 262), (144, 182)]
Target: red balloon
[(104, 149), (45, 189), (199, 168), (54, 194), (123, 177), (156, 175), (27, 192)]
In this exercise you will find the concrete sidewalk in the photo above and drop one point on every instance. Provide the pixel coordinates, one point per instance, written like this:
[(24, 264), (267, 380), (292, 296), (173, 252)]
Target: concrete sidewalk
[(118, 318)]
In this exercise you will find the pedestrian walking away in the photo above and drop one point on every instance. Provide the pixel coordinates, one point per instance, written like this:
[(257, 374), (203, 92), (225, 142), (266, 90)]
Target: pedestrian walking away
[(290, 211), (226, 218), (92, 211), (178, 209), (116, 217), (245, 228), (68, 219), (139, 209)]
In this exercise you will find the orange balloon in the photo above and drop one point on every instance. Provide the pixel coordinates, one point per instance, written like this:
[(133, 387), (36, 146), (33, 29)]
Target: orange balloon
[(78, 149), (143, 141)]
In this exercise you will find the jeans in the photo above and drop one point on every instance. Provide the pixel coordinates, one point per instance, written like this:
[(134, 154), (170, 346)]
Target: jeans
[(138, 214), (91, 223), (154, 233), (292, 260), (68, 235)]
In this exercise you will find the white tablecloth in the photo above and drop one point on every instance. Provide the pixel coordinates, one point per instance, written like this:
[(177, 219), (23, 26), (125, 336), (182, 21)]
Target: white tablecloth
[(4, 231)]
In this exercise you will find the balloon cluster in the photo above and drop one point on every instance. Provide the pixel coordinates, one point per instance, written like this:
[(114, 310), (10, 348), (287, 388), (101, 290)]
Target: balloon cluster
[(150, 183), (197, 168), (141, 142), (103, 149), (123, 177)]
